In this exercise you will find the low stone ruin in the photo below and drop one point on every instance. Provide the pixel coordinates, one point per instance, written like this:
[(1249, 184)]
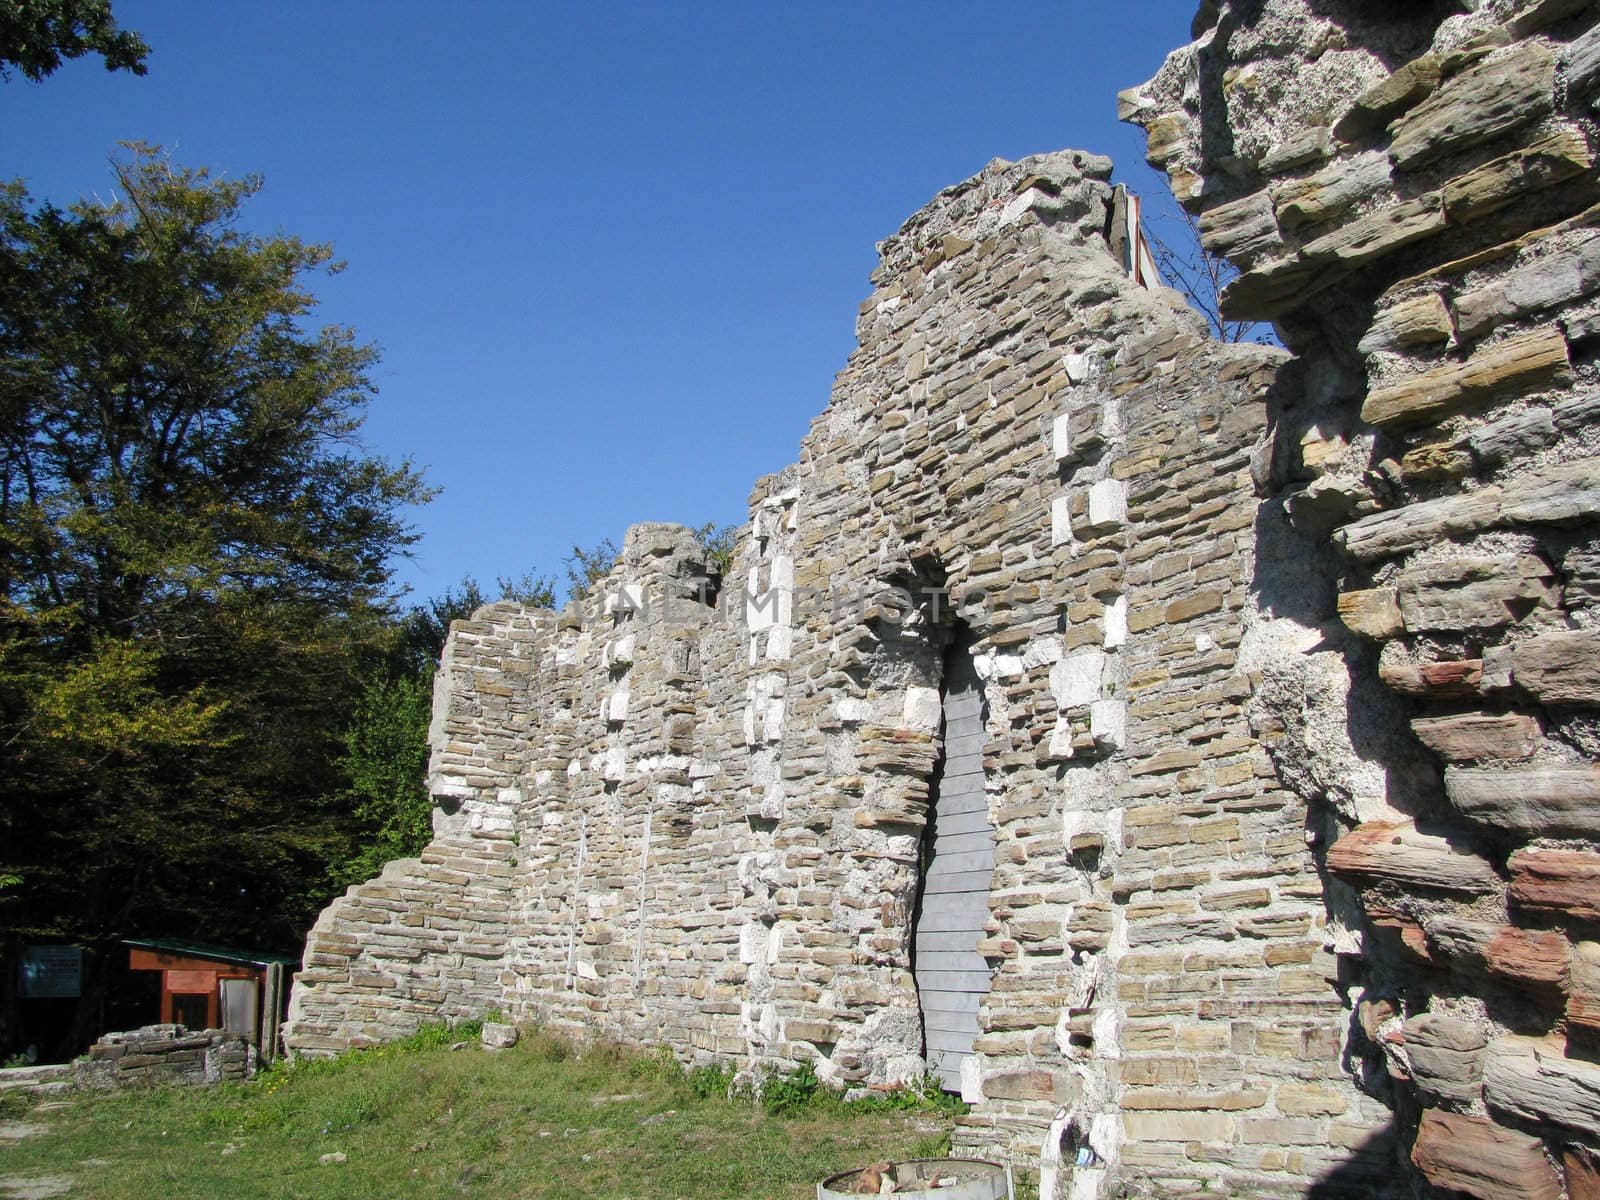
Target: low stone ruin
[(158, 1054)]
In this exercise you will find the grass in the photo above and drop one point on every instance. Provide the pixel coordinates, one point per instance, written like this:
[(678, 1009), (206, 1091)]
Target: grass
[(415, 1119)]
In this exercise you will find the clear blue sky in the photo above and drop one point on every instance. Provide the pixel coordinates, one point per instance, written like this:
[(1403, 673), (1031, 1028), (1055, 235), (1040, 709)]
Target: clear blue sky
[(612, 252)]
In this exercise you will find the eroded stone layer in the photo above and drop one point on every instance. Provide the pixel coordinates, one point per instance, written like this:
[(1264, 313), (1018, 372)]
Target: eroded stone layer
[(1410, 193)]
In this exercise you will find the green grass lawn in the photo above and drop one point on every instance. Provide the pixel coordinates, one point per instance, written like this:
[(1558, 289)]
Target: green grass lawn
[(418, 1119)]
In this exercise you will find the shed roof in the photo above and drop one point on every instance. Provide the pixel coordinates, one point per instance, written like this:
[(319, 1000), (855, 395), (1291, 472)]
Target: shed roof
[(252, 958)]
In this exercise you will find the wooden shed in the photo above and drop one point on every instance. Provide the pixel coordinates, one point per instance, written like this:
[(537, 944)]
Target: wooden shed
[(217, 987)]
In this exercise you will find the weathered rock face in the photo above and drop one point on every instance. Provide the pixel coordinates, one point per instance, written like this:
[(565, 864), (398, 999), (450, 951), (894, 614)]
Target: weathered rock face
[(1286, 828), (1432, 252)]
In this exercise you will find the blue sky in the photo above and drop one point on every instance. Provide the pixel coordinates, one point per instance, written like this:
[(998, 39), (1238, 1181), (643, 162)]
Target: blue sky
[(611, 253)]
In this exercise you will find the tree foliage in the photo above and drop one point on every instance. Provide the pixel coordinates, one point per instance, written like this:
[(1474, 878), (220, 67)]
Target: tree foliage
[(37, 35), (195, 560), (587, 566), (386, 761)]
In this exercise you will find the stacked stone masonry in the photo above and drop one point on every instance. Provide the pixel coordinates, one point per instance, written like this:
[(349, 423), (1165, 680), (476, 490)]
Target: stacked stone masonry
[(1412, 199), (164, 1054), (1288, 662)]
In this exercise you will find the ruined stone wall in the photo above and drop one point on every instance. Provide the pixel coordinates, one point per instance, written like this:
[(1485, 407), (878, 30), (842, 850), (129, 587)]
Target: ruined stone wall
[(1411, 195), (162, 1054), (1288, 664), (696, 814)]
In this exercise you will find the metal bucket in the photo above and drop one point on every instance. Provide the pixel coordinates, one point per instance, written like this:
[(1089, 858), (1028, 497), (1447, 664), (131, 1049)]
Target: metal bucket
[(950, 1179)]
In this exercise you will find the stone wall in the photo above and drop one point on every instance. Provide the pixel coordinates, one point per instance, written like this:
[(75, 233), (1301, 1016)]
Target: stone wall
[(1413, 201), (690, 810), (1287, 659), (160, 1054)]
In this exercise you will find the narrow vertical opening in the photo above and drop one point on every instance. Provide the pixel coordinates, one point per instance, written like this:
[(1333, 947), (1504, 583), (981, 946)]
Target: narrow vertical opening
[(956, 866)]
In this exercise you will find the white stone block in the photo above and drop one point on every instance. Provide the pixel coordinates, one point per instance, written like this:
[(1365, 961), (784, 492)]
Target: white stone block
[(510, 796), (780, 642), (852, 711), (1077, 366), (1007, 666), (752, 942), (1115, 621), (772, 803), (1076, 679), (1108, 723), (1061, 741), (617, 710), (1108, 506), (1111, 424), (1041, 651), (448, 787), (972, 1079), (922, 709), (760, 610), (1061, 437), (783, 572), (772, 720), (620, 653), (1061, 520)]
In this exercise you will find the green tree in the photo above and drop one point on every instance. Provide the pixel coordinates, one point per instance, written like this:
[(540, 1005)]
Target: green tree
[(36, 35), (386, 760), (586, 566), (194, 564), (719, 542)]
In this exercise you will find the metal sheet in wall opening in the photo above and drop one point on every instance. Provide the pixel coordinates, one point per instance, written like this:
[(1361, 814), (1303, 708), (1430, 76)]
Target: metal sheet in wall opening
[(952, 977)]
